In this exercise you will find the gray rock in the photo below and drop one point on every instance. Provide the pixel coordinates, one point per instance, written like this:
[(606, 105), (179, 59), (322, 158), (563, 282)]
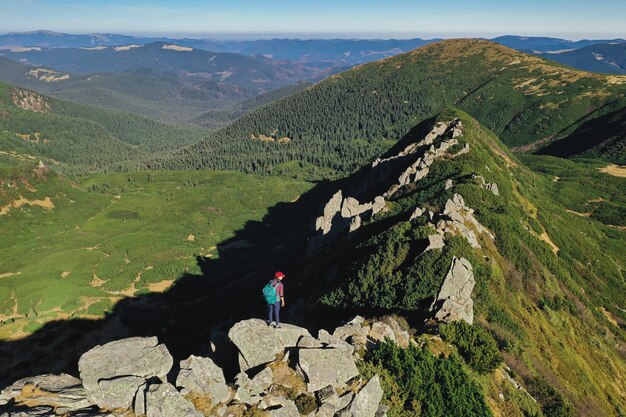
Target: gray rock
[(264, 378), (382, 411), (111, 373), (325, 221), (380, 331), (355, 224), (341, 402), (325, 393), (454, 300), (308, 342), (493, 187), (378, 204), (435, 242), (30, 412), (202, 375), (248, 391), (351, 207), (325, 410), (328, 340), (283, 408), (139, 403), (258, 344), (416, 213), (163, 400), (63, 392), (323, 367), (449, 184), (367, 400)]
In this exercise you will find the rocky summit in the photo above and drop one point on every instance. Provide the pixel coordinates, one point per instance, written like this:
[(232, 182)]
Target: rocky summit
[(297, 375)]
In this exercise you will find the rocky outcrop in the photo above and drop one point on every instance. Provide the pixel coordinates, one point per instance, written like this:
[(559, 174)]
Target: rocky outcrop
[(491, 186), (344, 213), (454, 300), (259, 344), (112, 373), (128, 377)]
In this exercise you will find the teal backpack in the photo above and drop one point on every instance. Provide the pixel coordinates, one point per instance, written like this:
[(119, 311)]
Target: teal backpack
[(269, 293)]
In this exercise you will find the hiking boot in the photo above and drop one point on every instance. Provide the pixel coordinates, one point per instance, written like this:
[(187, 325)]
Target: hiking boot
[(269, 323), (277, 326)]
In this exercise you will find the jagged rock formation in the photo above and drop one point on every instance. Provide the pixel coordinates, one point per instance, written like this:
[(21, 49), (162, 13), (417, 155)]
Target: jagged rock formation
[(322, 367), (454, 300), (491, 186), (344, 213)]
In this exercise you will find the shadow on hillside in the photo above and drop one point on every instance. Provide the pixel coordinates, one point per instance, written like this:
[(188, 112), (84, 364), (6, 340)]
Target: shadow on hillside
[(602, 131), (198, 310)]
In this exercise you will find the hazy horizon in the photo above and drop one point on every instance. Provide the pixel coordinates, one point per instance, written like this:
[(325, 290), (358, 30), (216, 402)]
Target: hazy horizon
[(399, 19)]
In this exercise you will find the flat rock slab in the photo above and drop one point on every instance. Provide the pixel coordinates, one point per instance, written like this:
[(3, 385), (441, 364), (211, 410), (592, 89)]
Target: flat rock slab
[(111, 373), (63, 392), (323, 367), (259, 344)]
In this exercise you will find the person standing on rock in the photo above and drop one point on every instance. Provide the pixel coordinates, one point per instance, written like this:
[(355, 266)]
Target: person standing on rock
[(274, 296)]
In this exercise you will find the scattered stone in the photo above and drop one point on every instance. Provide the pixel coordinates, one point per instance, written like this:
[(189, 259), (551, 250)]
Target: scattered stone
[(323, 367), (112, 373), (449, 184), (416, 213), (163, 400), (454, 300), (202, 375), (259, 344)]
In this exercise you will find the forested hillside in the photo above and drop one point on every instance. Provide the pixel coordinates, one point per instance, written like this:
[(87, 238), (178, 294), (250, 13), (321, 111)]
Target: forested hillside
[(342, 121), (78, 138)]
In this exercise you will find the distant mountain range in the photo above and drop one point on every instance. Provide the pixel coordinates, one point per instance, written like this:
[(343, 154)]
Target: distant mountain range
[(608, 58), (332, 51)]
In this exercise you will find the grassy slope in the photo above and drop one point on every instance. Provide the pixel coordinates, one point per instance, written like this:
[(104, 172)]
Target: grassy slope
[(556, 316), (526, 100), (119, 228), (83, 138)]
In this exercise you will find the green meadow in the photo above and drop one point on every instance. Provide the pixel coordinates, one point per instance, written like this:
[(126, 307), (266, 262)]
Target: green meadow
[(73, 249)]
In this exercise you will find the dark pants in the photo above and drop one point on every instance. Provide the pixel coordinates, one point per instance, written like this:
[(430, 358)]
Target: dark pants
[(273, 310)]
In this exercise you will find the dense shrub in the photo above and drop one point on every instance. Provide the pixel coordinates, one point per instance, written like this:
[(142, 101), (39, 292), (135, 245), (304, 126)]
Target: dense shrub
[(475, 344), (416, 382), (553, 404)]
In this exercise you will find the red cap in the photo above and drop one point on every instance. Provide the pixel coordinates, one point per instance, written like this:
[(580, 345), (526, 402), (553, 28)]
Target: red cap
[(279, 275)]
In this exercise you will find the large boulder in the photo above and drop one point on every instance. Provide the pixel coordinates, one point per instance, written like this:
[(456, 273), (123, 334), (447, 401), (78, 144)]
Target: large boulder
[(367, 400), (323, 367), (259, 344), (454, 301), (163, 400), (62, 392), (202, 375), (112, 373)]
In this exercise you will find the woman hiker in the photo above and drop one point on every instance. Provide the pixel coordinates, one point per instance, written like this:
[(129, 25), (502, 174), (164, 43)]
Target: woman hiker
[(275, 298)]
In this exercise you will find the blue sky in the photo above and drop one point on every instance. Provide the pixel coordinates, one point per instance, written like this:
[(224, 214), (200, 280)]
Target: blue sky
[(572, 19)]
